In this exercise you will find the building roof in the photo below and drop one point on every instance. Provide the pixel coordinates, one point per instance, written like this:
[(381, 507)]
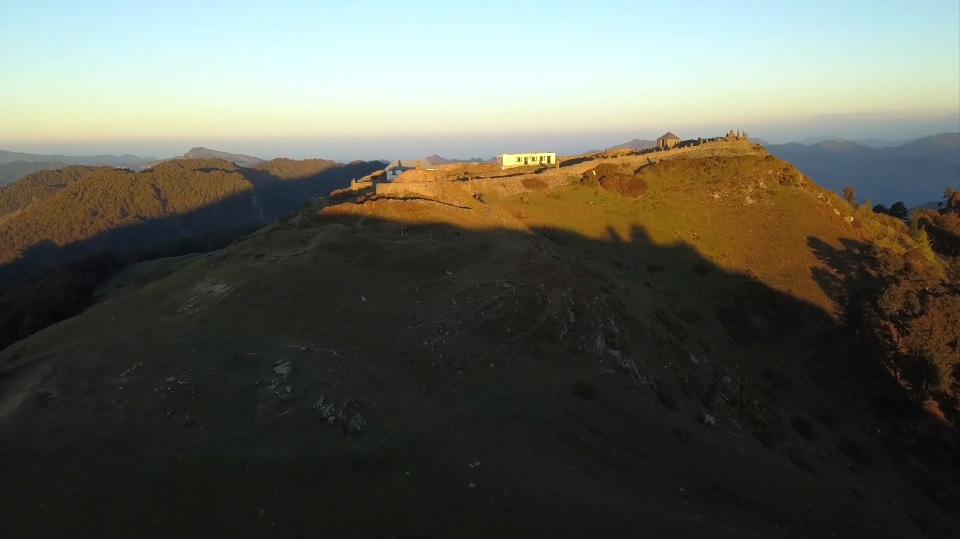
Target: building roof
[(410, 163), (669, 136)]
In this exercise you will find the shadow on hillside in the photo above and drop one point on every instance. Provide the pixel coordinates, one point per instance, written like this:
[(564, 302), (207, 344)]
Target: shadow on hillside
[(523, 172), (630, 282), (50, 282), (845, 359), (577, 160), (868, 374), (840, 283), (852, 283), (841, 357)]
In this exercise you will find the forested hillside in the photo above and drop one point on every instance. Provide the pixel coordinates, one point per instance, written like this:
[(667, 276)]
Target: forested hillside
[(63, 231)]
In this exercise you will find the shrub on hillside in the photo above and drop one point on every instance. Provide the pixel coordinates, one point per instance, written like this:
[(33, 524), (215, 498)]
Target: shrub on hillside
[(790, 177), (620, 179), (627, 186), (914, 310), (944, 231), (898, 210), (850, 195)]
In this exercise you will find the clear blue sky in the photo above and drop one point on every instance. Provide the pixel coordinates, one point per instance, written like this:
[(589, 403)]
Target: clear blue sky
[(284, 77)]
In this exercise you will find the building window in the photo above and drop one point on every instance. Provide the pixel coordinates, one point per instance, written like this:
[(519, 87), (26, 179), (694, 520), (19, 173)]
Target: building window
[(548, 159), (518, 160)]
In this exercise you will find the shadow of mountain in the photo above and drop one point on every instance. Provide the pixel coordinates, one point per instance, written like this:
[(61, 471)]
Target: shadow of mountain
[(844, 360), (851, 281), (600, 373), (53, 270), (871, 371)]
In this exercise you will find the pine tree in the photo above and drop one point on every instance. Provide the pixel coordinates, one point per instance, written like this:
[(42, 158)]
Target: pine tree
[(850, 195), (924, 245)]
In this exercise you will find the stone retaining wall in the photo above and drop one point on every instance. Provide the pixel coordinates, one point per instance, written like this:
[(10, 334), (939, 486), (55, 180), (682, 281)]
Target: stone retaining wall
[(500, 186), (447, 189)]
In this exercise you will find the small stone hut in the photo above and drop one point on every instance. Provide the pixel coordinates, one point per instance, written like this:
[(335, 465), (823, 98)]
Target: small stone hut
[(667, 141)]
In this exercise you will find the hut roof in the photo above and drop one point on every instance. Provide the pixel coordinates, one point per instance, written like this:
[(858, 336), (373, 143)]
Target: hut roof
[(407, 164)]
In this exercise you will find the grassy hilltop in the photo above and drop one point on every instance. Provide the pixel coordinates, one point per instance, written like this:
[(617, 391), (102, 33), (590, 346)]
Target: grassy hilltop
[(663, 344)]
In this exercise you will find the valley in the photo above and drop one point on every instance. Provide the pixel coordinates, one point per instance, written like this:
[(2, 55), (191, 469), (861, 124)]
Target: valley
[(914, 173)]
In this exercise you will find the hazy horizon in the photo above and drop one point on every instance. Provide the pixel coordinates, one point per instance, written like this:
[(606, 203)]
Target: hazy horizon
[(380, 80), (466, 146)]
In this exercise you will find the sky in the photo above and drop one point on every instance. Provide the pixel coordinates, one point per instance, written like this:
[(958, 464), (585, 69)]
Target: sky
[(385, 79)]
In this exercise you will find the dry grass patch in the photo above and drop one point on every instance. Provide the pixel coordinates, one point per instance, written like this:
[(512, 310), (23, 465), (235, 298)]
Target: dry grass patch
[(535, 184)]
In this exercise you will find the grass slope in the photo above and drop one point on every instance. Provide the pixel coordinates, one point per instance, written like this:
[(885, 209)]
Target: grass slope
[(608, 358)]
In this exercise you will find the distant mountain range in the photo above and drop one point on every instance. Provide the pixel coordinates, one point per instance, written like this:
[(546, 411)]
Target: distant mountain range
[(437, 160), (884, 171), (15, 165), (872, 142), (105, 160), (916, 172), (14, 170), (635, 144), (200, 152)]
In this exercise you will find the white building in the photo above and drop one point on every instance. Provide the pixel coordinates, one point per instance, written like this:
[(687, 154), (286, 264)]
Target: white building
[(399, 166), (510, 160)]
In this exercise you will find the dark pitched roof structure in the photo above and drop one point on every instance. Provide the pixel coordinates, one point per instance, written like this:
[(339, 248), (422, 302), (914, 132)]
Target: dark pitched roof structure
[(407, 164)]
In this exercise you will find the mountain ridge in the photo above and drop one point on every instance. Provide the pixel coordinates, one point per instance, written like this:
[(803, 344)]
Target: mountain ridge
[(914, 172), (102, 199), (199, 152), (14, 170), (107, 160), (598, 342), (636, 144)]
